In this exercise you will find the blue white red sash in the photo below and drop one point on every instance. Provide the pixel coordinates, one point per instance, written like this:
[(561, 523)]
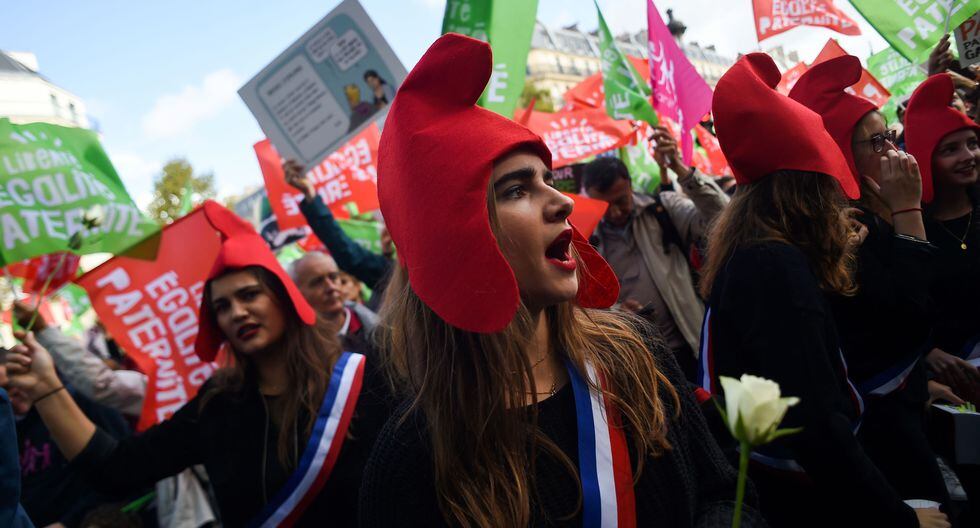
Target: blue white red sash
[(971, 350), (891, 379), (706, 367), (604, 461), (323, 448)]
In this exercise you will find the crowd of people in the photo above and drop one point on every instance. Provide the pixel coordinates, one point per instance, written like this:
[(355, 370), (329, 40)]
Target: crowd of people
[(509, 370)]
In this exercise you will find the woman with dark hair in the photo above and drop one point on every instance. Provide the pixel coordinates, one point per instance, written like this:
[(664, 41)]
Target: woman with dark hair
[(383, 92), (527, 407), (885, 327), (782, 244), (283, 433), (948, 140)]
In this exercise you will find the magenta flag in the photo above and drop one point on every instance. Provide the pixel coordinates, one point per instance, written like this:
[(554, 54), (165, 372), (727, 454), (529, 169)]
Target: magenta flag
[(679, 92)]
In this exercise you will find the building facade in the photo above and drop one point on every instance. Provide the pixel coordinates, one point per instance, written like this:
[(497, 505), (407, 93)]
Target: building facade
[(26, 96)]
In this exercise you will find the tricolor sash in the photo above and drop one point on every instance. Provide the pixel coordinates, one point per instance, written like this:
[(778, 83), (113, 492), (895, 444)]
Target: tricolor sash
[(893, 378), (323, 448), (603, 457)]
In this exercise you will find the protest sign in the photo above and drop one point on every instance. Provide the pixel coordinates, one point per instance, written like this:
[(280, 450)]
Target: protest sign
[(54, 270), (968, 40), (151, 309), (586, 213), (773, 17), (716, 164), (638, 158), (348, 175), (507, 25), (867, 86), (898, 75), (626, 97), (568, 179), (789, 78), (679, 92), (572, 136), (913, 27), (49, 176), (333, 82), (365, 233), (590, 93)]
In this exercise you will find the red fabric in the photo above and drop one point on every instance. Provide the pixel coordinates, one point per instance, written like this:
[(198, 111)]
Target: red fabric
[(590, 92), (355, 322), (151, 308), (572, 136), (35, 271), (928, 119), (867, 86), (821, 89), (348, 175), (717, 164), (241, 246), (436, 156), (701, 395), (773, 17), (790, 77), (762, 131), (587, 213)]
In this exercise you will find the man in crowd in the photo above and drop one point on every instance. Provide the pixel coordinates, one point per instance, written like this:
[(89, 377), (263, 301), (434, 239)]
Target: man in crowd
[(649, 240)]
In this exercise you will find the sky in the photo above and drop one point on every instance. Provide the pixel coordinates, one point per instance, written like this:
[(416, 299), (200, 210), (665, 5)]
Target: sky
[(161, 78)]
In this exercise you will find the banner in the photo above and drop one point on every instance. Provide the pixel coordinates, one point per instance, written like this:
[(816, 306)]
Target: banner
[(365, 233), (590, 93), (626, 97), (49, 176), (790, 76), (717, 165), (773, 17), (151, 309), (39, 270), (638, 158), (349, 175), (898, 75), (573, 136), (333, 82), (968, 40), (914, 27), (867, 87), (587, 213), (508, 26), (679, 92)]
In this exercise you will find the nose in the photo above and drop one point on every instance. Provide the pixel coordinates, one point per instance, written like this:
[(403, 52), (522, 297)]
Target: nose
[(559, 206), (238, 311)]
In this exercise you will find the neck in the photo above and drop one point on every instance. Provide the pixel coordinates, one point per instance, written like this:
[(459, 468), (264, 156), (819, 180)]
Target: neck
[(336, 319), (950, 202), (272, 373), (547, 367)]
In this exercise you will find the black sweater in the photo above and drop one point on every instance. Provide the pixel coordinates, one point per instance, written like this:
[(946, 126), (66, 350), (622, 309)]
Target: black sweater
[(227, 437), (957, 287), (768, 317), (690, 485)]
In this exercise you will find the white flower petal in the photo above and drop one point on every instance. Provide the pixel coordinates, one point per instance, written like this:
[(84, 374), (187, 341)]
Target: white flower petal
[(733, 393)]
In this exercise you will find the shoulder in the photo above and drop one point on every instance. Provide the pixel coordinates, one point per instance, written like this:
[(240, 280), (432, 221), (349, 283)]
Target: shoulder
[(401, 456), (767, 272)]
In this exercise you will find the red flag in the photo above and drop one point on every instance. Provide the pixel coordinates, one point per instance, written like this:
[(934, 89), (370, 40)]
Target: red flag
[(151, 309), (773, 17), (790, 77), (716, 158), (349, 175), (867, 87), (37, 270), (587, 213), (572, 136), (589, 93)]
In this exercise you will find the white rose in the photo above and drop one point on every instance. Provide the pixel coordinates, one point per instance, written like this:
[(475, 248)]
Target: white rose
[(757, 403), (93, 216)]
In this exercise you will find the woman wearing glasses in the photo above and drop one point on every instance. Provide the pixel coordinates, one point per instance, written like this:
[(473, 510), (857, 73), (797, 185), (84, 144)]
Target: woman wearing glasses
[(885, 327)]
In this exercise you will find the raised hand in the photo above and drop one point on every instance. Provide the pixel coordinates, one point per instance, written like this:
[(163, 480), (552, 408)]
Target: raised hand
[(296, 176)]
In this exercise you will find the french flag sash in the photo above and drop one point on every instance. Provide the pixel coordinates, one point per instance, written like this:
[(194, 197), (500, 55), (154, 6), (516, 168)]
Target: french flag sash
[(604, 461), (323, 448)]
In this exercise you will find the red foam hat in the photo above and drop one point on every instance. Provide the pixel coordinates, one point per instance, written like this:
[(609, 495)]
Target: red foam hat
[(928, 119), (762, 131), (241, 247), (434, 165), (821, 89)]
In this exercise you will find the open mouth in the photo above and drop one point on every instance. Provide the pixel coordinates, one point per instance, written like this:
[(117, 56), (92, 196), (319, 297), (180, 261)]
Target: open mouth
[(247, 331), (559, 251)]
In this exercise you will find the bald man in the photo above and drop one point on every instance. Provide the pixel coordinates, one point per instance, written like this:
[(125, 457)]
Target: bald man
[(318, 278)]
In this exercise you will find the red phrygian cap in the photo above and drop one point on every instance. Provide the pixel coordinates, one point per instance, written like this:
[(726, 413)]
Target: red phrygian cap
[(762, 131), (434, 165), (928, 119), (241, 247), (821, 89)]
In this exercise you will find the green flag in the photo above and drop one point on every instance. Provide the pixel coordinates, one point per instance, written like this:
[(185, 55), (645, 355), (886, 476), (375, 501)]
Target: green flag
[(644, 171), (78, 301), (366, 234), (507, 25), (288, 253), (49, 176), (913, 27), (627, 97), (896, 74)]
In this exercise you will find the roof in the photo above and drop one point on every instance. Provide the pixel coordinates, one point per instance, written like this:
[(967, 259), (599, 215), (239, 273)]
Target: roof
[(9, 64)]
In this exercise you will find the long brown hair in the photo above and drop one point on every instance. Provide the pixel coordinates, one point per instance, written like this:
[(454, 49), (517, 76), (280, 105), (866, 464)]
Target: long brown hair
[(461, 383), (804, 209), (309, 353)]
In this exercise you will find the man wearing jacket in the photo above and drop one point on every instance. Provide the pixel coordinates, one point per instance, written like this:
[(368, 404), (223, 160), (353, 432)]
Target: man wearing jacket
[(648, 241)]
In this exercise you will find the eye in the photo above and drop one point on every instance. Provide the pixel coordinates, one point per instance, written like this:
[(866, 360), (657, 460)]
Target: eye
[(972, 144), (515, 192), (249, 295), (220, 307)]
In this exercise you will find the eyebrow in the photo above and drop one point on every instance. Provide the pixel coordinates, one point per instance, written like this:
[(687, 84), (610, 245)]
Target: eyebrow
[(215, 300), (523, 174)]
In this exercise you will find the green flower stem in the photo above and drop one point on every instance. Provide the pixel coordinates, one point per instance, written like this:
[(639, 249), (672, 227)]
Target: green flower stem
[(743, 470), (44, 290)]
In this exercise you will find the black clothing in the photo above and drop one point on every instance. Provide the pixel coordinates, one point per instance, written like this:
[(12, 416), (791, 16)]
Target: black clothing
[(769, 317), (956, 290), (690, 485), (227, 437), (52, 490)]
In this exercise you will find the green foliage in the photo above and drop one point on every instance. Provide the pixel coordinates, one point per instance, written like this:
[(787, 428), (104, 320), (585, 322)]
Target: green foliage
[(542, 98), (168, 189)]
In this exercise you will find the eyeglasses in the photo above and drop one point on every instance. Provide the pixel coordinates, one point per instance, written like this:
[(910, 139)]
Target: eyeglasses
[(878, 140)]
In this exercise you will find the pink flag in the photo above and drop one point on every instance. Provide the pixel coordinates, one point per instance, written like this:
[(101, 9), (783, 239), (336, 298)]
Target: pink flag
[(679, 92)]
